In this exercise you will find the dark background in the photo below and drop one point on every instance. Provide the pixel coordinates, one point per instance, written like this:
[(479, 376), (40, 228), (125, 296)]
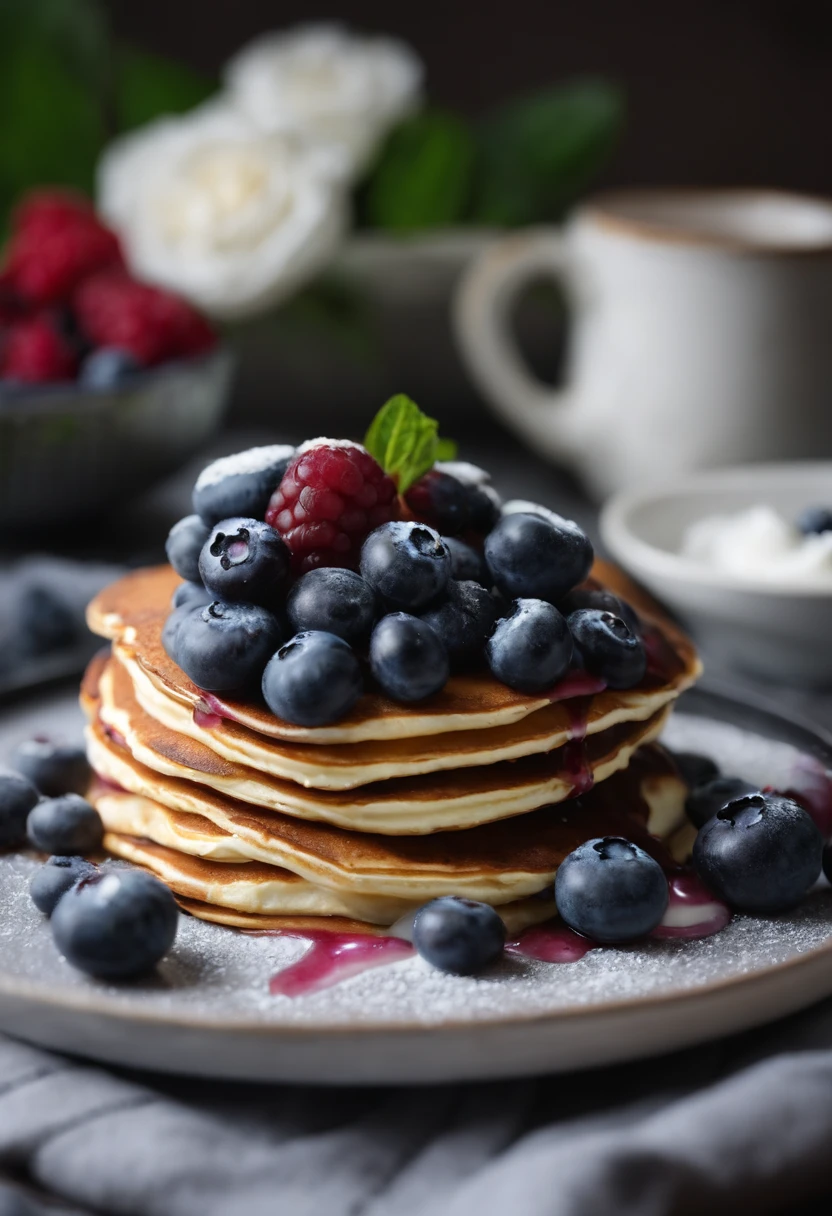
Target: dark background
[(720, 91)]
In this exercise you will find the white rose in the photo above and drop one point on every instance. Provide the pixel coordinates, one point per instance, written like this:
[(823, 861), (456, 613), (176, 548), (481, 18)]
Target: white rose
[(327, 87), (232, 218)]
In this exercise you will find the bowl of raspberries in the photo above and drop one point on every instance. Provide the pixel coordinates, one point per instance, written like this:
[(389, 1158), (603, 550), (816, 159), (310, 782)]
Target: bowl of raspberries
[(106, 383)]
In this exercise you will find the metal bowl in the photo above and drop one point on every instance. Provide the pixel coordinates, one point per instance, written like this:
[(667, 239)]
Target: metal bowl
[(67, 452)]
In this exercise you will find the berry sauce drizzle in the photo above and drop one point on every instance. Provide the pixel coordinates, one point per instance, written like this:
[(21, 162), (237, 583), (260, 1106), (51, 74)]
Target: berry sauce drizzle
[(332, 958), (206, 720), (553, 942), (577, 768), (576, 683), (692, 911), (810, 785)]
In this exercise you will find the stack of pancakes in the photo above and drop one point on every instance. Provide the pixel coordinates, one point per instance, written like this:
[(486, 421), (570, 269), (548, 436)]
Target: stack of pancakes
[(480, 791)]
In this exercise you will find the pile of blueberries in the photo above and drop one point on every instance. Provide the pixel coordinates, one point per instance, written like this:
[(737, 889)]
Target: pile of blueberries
[(758, 851), (421, 604), (111, 921)]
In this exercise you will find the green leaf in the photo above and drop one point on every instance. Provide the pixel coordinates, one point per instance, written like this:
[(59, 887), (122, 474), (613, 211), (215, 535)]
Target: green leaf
[(149, 86), (537, 154), (404, 441), (447, 449), (53, 77), (423, 176)]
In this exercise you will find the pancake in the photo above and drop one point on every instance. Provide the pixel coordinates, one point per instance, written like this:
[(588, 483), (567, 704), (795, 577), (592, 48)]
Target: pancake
[(347, 766), (133, 610), (516, 918), (457, 799), (497, 862)]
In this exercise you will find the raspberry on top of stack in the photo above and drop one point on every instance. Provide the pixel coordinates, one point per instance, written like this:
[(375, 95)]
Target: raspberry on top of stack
[(69, 308)]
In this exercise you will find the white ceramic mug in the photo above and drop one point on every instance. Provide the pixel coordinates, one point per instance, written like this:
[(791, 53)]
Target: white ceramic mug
[(701, 332)]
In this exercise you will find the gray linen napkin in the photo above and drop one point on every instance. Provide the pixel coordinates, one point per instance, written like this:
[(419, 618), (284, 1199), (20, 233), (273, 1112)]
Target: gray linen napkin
[(724, 1128)]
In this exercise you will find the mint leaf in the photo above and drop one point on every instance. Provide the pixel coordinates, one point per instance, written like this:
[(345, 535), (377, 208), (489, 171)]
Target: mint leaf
[(447, 449), (405, 442)]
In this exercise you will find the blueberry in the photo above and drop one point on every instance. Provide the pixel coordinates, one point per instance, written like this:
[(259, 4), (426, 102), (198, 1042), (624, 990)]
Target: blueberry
[(188, 595), (604, 601), (222, 646), (17, 797), (466, 563), (531, 649), (459, 936), (608, 647), (55, 878), (827, 861), (335, 601), (815, 520), (184, 545), (532, 557), (108, 367), (240, 485), (54, 768), (313, 680), (610, 890), (115, 924), (406, 563), (407, 658), (703, 802), (760, 853), (47, 623), (244, 561), (172, 625), (65, 825), (483, 500), (464, 621), (441, 501), (697, 770)]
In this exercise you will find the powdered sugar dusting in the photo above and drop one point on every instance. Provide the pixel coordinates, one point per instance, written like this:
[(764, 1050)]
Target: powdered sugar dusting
[(254, 460), (462, 470), (323, 442)]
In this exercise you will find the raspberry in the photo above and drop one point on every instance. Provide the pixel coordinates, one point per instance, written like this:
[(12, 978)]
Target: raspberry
[(34, 352), (114, 310), (332, 496), (57, 240)]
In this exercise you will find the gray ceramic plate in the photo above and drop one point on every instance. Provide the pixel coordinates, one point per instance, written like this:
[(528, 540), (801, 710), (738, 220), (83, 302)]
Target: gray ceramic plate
[(209, 1010)]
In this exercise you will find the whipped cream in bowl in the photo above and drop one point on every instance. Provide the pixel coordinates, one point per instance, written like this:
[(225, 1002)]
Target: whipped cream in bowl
[(723, 549), (760, 543)]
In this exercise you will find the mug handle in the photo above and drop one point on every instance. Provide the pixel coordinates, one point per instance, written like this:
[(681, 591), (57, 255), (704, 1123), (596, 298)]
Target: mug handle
[(483, 302)]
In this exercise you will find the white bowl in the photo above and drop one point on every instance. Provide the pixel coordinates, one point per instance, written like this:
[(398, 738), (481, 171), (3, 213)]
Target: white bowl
[(779, 632)]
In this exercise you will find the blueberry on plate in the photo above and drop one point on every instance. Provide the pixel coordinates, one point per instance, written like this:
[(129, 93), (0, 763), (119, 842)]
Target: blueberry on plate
[(184, 545), (703, 802), (406, 563), (54, 768), (65, 825), (334, 601), (313, 680), (531, 649), (827, 861), (760, 853), (17, 797), (458, 936), (610, 890), (188, 595), (222, 646), (407, 658), (45, 622), (464, 620), (55, 877), (815, 520), (608, 647), (245, 561), (603, 601), (240, 485), (108, 367), (695, 768), (115, 924), (531, 557), (467, 565)]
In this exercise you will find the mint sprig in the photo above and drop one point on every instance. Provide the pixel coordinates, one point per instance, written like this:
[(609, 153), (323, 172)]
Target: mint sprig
[(405, 442)]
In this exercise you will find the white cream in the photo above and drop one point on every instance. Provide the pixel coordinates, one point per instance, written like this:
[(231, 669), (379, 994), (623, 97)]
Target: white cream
[(760, 544)]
